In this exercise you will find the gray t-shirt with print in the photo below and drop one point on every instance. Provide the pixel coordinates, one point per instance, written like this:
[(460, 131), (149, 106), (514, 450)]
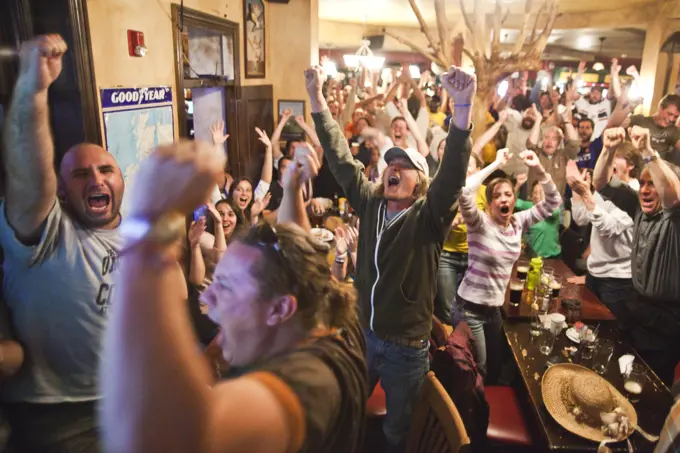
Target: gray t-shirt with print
[(58, 293)]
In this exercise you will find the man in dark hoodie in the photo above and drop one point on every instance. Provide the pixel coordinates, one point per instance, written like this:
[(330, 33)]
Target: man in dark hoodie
[(404, 221)]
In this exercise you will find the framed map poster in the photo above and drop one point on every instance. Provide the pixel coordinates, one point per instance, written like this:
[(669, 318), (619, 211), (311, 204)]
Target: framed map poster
[(136, 121)]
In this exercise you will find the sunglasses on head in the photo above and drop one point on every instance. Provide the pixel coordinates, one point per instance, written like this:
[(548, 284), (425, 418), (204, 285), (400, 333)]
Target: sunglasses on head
[(265, 236)]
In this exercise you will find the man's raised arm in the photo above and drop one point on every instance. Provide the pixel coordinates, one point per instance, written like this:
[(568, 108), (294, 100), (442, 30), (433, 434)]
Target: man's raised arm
[(450, 179), (29, 150), (348, 172)]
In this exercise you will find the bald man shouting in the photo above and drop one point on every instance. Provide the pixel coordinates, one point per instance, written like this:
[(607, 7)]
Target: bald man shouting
[(59, 234)]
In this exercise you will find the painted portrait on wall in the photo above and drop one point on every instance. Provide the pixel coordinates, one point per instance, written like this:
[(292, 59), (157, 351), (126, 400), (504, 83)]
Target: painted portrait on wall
[(254, 39)]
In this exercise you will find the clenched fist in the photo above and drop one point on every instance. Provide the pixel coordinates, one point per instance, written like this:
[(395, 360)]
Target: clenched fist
[(640, 138), (460, 85), (176, 178), (314, 79), (40, 62), (613, 137)]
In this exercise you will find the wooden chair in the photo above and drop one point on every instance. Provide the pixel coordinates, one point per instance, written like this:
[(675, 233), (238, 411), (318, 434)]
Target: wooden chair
[(436, 426)]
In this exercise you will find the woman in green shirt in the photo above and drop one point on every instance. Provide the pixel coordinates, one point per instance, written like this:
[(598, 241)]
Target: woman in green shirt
[(544, 236)]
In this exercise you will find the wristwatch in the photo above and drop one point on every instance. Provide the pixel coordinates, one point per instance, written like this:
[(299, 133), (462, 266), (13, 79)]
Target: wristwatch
[(163, 231), (653, 157)]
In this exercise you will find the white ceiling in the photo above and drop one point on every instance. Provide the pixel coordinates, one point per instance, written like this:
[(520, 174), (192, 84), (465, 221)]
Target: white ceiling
[(398, 13)]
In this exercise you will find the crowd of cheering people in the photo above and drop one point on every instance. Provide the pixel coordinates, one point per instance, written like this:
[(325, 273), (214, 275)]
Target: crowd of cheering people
[(209, 318)]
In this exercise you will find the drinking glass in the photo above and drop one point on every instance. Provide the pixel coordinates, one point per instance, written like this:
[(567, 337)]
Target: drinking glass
[(546, 341), (555, 286), (634, 380), (588, 344), (603, 353), (535, 324), (522, 270), (516, 288)]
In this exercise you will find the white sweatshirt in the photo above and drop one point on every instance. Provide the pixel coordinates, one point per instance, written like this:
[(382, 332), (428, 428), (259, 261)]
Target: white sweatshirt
[(611, 239)]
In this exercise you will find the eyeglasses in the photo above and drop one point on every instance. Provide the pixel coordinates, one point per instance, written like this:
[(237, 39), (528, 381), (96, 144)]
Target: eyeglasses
[(265, 236)]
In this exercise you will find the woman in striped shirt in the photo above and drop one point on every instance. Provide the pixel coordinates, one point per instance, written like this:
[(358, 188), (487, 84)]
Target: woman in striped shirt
[(494, 244)]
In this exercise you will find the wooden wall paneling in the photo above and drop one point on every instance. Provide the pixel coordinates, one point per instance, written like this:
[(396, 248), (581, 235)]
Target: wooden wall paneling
[(255, 108)]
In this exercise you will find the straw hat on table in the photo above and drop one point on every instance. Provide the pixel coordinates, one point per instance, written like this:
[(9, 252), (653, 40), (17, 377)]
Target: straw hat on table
[(579, 399)]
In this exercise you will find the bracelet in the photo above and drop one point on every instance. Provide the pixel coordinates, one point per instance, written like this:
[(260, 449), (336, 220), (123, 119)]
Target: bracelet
[(462, 105), (653, 157), (340, 260), (162, 231), (547, 180)]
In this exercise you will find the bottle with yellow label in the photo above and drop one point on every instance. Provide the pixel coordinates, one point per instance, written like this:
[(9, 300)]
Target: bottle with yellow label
[(535, 271)]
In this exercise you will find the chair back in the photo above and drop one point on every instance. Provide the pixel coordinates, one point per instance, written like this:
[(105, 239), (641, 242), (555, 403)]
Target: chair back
[(436, 426)]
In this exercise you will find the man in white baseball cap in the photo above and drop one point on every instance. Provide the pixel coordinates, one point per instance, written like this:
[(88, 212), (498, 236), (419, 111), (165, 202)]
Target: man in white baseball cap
[(411, 155)]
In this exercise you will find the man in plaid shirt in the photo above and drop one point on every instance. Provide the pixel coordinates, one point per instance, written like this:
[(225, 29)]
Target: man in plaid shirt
[(669, 441)]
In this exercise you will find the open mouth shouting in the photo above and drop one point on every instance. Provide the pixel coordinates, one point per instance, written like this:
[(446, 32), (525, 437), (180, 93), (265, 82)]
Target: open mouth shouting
[(648, 203), (393, 180), (505, 210), (243, 201), (98, 203)]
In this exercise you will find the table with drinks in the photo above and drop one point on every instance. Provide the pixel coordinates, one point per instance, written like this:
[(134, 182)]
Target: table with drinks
[(550, 321), (533, 284), (535, 349)]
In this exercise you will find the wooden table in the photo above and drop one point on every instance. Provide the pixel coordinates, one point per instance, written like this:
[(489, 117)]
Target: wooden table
[(652, 409), (592, 309)]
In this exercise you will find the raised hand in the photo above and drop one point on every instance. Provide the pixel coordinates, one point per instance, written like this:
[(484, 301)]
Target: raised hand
[(530, 158), (177, 177), (216, 130), (460, 85), (572, 93), (305, 167), (640, 138), (537, 114), (577, 179), (572, 172), (341, 246), (259, 205), (214, 213), (616, 67), (263, 137), (40, 62), (314, 78), (613, 137), (555, 98), (502, 116), (502, 156), (567, 115), (352, 238), (521, 178), (582, 67), (196, 229)]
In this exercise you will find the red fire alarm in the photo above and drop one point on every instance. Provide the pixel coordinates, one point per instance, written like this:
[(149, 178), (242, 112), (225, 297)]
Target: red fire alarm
[(136, 47)]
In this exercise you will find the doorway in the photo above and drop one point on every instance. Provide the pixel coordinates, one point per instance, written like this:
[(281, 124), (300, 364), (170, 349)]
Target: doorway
[(207, 59)]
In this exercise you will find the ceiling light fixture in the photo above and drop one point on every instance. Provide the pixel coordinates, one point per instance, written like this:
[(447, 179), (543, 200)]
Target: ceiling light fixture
[(363, 57), (599, 66)]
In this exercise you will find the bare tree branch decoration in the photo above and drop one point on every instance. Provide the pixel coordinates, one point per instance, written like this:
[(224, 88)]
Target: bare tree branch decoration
[(491, 60)]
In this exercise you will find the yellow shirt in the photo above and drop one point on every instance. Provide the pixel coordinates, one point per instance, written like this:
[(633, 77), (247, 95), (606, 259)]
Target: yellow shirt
[(457, 240), (437, 118)]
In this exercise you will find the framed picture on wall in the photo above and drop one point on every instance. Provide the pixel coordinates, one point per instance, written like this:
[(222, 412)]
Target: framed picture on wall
[(291, 130), (254, 39)]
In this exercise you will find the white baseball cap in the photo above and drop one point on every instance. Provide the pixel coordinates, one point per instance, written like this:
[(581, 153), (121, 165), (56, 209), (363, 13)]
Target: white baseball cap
[(417, 160)]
